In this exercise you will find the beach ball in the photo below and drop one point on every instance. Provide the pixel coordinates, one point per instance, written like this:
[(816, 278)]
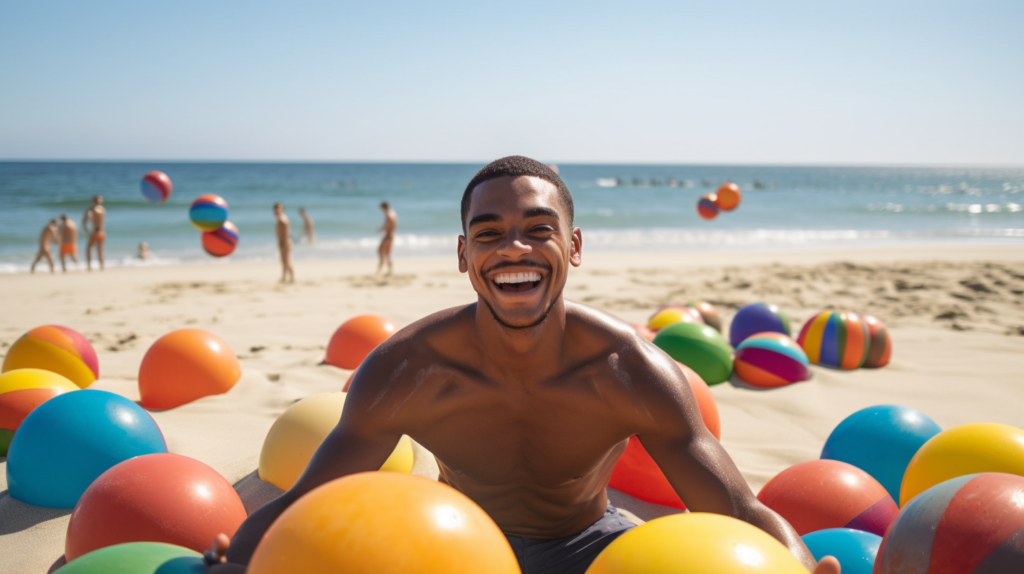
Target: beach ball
[(355, 338), (706, 207), (728, 196), (221, 242), (696, 543), (21, 391), (154, 498), (881, 440), (376, 522), (669, 315), (708, 312), (298, 432), (208, 212), (699, 347), (962, 450), (58, 349), (138, 558), (972, 524), (835, 339), (186, 365), (769, 360), (820, 494), (70, 440), (636, 473), (854, 549), (879, 344), (757, 318), (156, 187)]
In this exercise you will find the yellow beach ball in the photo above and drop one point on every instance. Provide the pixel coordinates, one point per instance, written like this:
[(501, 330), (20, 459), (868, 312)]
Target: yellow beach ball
[(959, 451), (298, 432), (671, 315), (696, 543), (21, 391), (384, 523)]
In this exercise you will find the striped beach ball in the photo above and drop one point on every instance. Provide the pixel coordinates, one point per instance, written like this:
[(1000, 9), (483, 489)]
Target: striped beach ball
[(221, 242), (706, 207), (57, 349), (879, 343), (836, 339), (820, 494), (770, 360), (156, 187), (972, 524), (21, 391), (208, 212)]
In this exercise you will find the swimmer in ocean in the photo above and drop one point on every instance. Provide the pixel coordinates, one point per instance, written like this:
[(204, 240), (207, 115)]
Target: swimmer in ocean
[(47, 237), (68, 241), (96, 216)]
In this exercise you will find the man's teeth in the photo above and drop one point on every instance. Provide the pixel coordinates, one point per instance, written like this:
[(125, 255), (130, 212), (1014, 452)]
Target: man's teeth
[(529, 276)]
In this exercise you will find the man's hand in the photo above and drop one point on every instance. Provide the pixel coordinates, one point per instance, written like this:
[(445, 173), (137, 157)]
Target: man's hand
[(828, 565), (216, 563)]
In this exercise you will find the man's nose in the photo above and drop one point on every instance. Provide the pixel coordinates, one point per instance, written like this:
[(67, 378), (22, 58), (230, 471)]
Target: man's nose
[(513, 247)]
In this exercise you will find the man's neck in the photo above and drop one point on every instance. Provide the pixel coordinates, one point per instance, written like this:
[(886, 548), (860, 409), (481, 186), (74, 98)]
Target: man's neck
[(507, 347)]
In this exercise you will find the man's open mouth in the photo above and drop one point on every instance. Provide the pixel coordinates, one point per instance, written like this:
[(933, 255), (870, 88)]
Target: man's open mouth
[(517, 282)]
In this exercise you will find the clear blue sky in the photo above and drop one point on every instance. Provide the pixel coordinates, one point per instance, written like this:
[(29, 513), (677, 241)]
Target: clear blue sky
[(669, 82)]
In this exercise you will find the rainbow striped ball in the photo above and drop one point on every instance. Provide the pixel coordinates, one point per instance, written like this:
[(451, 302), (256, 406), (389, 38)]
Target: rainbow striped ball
[(221, 242), (836, 339), (706, 207), (208, 212), (972, 524), (879, 345), (56, 349), (768, 360), (156, 187)]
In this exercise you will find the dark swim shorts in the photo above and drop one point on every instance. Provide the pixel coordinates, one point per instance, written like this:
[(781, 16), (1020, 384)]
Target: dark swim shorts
[(572, 554)]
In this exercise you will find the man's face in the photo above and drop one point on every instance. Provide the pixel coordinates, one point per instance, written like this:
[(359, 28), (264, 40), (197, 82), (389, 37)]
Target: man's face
[(518, 248), (98, 200)]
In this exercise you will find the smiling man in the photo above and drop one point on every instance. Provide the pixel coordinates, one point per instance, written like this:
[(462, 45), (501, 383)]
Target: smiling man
[(526, 399)]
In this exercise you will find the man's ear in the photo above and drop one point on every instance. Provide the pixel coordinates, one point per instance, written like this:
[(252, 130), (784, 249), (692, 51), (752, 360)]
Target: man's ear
[(463, 262), (576, 247)]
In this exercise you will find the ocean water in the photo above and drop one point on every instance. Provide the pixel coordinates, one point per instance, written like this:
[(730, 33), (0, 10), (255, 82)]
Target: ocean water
[(619, 207)]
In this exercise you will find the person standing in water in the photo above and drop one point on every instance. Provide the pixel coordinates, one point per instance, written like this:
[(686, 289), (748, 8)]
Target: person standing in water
[(389, 227), (97, 216), (46, 238), (284, 243), (68, 241), (307, 225)]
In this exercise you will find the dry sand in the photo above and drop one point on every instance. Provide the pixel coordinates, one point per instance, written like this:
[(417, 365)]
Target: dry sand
[(956, 315)]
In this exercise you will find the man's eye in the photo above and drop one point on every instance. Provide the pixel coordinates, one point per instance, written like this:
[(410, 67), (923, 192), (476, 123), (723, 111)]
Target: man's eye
[(486, 234), (542, 229)]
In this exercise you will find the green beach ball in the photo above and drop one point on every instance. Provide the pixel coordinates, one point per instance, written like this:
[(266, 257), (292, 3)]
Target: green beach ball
[(138, 558), (699, 347)]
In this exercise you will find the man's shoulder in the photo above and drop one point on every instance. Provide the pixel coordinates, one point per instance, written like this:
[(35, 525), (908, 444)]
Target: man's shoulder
[(614, 341)]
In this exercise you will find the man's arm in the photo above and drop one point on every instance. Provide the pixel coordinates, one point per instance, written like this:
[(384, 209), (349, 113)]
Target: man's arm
[(696, 464), (358, 444)]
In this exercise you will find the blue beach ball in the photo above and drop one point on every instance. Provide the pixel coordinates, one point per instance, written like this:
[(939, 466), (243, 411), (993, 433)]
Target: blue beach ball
[(71, 439), (881, 440), (854, 549), (757, 318)]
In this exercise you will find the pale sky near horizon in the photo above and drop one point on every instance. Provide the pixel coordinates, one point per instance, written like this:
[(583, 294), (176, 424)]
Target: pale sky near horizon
[(806, 82)]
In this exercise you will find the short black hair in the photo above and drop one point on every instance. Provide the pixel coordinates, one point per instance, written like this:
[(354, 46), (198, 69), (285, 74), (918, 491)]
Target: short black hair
[(515, 166)]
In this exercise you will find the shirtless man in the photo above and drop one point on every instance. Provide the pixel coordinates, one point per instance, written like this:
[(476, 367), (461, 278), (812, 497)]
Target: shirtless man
[(68, 241), (47, 237), (307, 225), (283, 228), (97, 216), (526, 399), (389, 227)]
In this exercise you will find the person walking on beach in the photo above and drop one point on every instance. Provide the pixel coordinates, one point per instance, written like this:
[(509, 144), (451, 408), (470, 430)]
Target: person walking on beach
[(97, 216), (284, 243), (47, 237), (307, 225), (68, 241), (525, 399), (389, 227)]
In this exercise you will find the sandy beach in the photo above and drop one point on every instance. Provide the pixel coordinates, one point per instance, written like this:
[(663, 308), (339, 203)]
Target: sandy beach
[(956, 316)]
